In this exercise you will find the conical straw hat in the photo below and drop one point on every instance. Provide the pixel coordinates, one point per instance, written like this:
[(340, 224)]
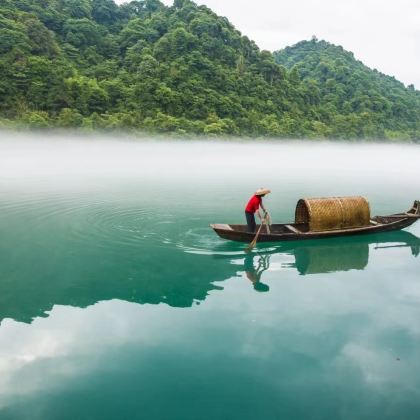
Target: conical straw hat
[(262, 191)]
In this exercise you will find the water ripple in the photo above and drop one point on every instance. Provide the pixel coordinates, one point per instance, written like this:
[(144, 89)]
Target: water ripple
[(85, 221)]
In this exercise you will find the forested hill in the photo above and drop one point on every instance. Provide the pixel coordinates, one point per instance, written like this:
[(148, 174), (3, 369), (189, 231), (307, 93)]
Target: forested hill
[(345, 86), (145, 66)]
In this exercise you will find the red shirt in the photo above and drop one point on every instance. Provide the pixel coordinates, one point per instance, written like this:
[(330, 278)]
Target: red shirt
[(253, 204)]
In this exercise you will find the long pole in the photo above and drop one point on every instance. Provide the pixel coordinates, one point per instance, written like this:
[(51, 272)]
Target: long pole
[(251, 246)]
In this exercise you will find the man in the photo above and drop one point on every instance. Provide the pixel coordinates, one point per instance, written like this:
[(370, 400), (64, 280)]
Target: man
[(253, 207)]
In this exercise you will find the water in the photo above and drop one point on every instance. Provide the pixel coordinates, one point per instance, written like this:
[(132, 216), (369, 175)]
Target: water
[(117, 301)]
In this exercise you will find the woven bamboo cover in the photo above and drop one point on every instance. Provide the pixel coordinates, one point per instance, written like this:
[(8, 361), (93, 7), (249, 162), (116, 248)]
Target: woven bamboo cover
[(333, 213)]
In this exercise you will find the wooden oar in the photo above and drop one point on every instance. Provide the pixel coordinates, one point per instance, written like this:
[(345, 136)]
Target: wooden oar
[(251, 246)]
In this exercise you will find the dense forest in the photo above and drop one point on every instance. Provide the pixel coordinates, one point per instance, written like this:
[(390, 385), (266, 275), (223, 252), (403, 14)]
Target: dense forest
[(348, 90), (183, 69)]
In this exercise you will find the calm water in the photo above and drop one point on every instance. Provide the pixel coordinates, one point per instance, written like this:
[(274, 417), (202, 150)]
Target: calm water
[(118, 302)]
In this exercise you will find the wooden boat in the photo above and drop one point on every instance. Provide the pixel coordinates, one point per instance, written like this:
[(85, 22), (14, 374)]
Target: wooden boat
[(325, 218)]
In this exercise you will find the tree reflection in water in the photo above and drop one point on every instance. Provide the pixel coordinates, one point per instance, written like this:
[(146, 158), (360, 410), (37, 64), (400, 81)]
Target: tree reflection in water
[(170, 276)]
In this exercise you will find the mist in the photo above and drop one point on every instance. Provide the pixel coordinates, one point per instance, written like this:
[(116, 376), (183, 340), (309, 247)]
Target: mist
[(229, 170)]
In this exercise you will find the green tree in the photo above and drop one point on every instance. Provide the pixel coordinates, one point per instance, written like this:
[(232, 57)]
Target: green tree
[(183, 69), (77, 9)]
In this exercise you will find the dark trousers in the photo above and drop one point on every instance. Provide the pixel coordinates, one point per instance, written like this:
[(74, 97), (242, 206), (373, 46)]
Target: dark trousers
[(250, 220)]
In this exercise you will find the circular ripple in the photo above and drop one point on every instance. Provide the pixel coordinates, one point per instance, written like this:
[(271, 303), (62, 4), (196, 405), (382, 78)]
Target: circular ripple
[(83, 221)]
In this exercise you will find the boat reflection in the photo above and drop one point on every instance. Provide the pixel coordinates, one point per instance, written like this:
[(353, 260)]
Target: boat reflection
[(415, 248), (326, 256), (351, 253), (331, 258)]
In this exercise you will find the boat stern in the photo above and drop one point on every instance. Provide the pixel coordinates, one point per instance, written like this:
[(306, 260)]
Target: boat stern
[(220, 226), (227, 232)]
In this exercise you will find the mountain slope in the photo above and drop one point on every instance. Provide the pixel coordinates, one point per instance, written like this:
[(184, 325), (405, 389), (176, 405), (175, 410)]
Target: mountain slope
[(345, 86)]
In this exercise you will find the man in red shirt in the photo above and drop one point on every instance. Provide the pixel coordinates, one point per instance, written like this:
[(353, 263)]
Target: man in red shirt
[(253, 207)]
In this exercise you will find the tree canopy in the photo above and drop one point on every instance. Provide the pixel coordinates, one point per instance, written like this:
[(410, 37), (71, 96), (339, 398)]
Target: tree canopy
[(353, 100), (145, 66)]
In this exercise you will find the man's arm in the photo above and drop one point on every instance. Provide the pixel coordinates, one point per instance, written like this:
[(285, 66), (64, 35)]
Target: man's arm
[(264, 209)]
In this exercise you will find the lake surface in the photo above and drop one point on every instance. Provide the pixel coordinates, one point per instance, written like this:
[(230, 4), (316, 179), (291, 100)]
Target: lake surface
[(117, 301)]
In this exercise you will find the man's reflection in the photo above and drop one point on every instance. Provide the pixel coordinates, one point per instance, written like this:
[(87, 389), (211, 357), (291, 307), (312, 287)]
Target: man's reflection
[(254, 273)]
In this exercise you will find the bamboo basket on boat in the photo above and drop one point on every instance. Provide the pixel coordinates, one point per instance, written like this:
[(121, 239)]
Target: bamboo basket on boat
[(336, 213)]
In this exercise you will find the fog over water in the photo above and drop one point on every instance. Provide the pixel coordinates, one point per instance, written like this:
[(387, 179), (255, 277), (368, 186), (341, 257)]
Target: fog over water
[(291, 168), (116, 298)]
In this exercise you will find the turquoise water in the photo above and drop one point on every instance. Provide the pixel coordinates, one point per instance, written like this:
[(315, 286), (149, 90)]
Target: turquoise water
[(117, 301)]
